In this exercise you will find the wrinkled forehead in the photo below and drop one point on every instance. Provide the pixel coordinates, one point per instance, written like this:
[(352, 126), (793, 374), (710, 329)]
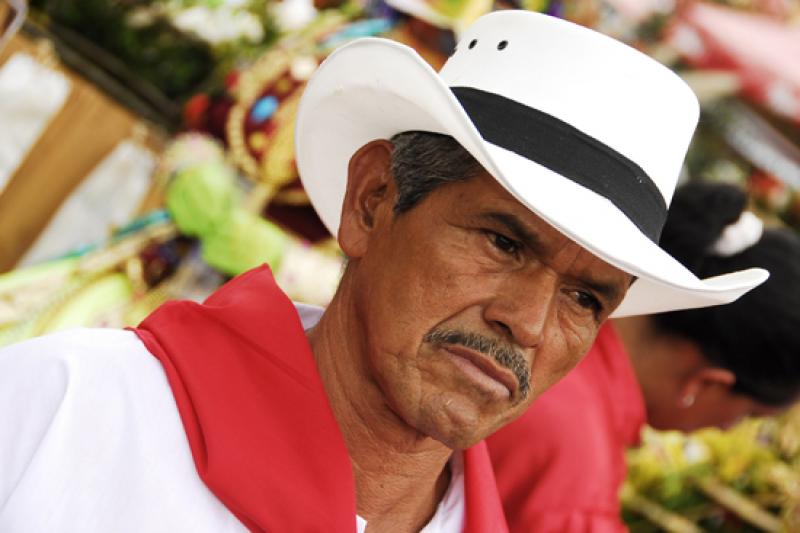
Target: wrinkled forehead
[(485, 200)]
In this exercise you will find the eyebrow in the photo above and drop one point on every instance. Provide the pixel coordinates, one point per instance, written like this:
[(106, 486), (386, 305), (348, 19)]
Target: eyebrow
[(519, 231), (609, 291)]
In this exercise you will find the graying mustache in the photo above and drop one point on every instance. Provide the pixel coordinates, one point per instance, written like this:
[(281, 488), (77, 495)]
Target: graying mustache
[(505, 356)]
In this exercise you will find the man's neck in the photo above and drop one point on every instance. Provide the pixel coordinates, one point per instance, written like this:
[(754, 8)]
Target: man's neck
[(400, 475)]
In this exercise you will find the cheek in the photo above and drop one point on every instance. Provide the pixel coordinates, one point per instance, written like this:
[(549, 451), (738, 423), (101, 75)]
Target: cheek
[(564, 346), (430, 280), (409, 288)]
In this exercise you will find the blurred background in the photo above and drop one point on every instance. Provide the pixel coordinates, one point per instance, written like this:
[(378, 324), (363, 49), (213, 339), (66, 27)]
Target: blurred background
[(146, 154)]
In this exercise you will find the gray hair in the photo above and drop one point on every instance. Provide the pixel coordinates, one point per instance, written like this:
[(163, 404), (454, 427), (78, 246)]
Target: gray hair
[(423, 161)]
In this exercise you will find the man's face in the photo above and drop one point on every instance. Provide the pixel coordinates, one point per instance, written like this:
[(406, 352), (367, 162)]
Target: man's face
[(471, 305)]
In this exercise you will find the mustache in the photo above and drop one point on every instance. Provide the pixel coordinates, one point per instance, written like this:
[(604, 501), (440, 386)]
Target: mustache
[(504, 354)]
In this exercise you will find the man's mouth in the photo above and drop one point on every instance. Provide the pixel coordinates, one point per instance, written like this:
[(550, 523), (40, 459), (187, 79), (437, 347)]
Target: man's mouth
[(484, 372), (494, 365)]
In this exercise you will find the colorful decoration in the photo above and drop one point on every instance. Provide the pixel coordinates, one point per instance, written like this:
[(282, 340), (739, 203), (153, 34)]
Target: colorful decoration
[(761, 50), (92, 287), (237, 69), (260, 125), (745, 479), (109, 197), (205, 201)]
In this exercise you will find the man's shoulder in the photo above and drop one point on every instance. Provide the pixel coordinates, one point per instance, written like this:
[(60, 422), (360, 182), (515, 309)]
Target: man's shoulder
[(92, 437), (87, 371), (80, 352), (61, 342)]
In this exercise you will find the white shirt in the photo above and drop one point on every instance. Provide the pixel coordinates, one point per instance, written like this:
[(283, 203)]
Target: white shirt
[(449, 516), (91, 441)]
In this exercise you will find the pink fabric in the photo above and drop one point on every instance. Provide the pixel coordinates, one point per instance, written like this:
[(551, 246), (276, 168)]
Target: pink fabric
[(484, 510), (559, 467), (262, 435), (261, 431)]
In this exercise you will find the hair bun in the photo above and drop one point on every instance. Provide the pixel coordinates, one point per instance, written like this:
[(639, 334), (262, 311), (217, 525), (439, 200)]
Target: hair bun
[(698, 215)]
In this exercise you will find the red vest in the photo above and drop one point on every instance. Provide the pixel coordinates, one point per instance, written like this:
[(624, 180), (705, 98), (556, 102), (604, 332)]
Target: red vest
[(262, 434)]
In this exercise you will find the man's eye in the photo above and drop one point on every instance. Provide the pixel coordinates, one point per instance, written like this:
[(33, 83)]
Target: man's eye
[(503, 243), (588, 301)]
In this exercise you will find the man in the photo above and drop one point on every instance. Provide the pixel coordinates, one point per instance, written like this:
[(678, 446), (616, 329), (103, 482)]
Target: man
[(483, 257)]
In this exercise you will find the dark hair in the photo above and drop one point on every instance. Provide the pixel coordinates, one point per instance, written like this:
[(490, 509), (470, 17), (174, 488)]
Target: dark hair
[(758, 336), (423, 161)]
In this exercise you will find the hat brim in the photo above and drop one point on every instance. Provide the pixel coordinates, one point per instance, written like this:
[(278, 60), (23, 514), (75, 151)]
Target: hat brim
[(346, 105)]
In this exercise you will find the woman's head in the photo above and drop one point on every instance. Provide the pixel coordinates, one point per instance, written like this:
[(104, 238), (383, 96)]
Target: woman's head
[(736, 359)]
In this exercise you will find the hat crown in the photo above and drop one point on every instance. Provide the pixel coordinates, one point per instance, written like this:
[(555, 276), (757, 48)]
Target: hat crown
[(587, 133), (596, 84)]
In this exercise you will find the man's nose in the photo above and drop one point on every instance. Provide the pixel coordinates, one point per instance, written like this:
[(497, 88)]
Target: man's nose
[(522, 307)]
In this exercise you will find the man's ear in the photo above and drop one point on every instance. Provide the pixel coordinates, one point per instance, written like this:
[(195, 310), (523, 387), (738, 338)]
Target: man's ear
[(370, 194)]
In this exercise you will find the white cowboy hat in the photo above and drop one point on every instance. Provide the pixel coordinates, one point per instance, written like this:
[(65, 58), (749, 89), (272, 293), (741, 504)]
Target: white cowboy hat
[(585, 131)]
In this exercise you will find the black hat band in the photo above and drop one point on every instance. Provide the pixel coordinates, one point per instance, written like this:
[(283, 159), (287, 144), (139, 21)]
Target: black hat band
[(564, 149)]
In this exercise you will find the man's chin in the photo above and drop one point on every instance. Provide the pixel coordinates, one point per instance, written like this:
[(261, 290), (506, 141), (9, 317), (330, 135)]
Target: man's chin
[(459, 433), (454, 419), (457, 442)]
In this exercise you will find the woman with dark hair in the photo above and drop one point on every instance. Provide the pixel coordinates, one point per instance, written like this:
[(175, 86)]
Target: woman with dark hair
[(560, 466)]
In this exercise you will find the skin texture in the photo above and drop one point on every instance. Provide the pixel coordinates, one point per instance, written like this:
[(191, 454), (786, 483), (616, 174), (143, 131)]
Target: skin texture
[(682, 390), (467, 258)]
